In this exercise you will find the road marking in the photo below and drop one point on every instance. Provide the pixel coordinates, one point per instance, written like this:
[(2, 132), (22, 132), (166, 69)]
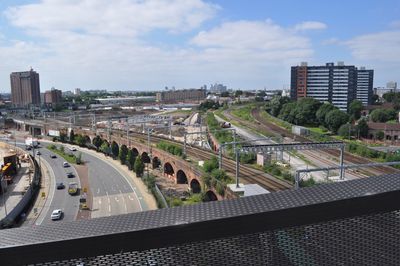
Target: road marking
[(98, 190), (99, 201), (116, 199), (130, 197)]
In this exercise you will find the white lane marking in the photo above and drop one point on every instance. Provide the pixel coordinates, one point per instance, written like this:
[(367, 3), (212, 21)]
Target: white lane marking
[(127, 180), (130, 197), (123, 199), (98, 190), (99, 201), (116, 199)]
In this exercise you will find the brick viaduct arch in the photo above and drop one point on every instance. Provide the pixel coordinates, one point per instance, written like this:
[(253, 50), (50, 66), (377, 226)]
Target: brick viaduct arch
[(177, 169)]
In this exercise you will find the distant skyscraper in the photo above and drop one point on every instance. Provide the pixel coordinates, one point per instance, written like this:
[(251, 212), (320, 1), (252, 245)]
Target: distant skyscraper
[(25, 88), (77, 91), (391, 85), (338, 84), (52, 97)]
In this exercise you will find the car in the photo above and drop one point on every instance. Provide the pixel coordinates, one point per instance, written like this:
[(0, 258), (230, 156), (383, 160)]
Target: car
[(70, 175), (56, 214), (38, 153), (53, 156), (65, 164), (72, 148), (60, 185)]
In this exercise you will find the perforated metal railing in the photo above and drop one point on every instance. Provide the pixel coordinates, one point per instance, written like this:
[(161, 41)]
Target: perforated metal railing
[(348, 223)]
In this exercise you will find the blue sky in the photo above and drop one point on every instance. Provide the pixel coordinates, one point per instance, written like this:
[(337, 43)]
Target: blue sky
[(150, 44)]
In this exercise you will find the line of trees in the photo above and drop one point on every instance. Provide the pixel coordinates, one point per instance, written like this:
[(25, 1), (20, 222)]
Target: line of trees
[(311, 112)]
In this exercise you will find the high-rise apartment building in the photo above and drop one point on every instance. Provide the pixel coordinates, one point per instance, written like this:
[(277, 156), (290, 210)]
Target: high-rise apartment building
[(52, 97), (338, 84), (25, 88)]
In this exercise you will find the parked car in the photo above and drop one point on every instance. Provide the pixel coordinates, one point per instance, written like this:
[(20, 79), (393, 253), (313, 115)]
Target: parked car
[(56, 214), (60, 185), (70, 175), (72, 148), (53, 156), (38, 153), (65, 164)]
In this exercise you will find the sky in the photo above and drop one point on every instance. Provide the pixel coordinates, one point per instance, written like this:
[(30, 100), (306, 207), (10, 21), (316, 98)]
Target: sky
[(151, 44)]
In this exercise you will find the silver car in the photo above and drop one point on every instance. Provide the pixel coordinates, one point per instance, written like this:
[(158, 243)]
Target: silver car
[(56, 214)]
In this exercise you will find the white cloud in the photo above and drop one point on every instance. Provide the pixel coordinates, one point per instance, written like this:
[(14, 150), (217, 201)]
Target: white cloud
[(310, 25), (395, 24), (251, 35), (116, 18), (101, 44), (381, 46), (331, 41)]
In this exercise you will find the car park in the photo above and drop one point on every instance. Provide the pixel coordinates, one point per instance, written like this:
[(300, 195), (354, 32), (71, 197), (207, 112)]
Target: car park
[(56, 214), (60, 185)]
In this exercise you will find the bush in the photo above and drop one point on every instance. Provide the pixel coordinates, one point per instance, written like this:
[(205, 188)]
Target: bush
[(220, 188), (211, 164)]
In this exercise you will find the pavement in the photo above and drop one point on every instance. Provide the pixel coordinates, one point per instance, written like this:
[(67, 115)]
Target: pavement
[(16, 190)]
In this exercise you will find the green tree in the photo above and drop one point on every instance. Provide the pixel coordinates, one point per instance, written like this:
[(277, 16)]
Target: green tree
[(375, 99), (123, 153), (288, 112), (355, 109), (322, 111), (105, 147), (379, 115), (335, 118), (72, 136), (80, 140), (97, 141), (305, 111), (61, 149), (380, 135), (138, 167), (211, 164), (275, 105), (78, 158), (362, 128), (345, 131), (131, 159), (238, 93), (114, 149)]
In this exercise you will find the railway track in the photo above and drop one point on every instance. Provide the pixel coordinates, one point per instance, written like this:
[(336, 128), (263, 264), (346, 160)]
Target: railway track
[(247, 174), (349, 158)]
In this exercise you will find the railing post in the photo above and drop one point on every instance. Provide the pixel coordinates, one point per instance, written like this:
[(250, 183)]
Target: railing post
[(297, 180), (341, 162), (237, 168)]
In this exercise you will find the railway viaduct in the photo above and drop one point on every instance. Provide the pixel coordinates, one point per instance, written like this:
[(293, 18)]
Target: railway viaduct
[(172, 167)]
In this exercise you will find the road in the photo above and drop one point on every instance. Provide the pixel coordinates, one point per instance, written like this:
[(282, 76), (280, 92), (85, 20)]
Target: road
[(112, 192), (57, 199)]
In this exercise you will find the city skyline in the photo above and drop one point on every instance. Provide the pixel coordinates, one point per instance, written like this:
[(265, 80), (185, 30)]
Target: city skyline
[(147, 45)]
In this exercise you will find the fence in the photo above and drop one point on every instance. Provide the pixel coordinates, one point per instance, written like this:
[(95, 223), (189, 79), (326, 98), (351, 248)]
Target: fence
[(348, 223)]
